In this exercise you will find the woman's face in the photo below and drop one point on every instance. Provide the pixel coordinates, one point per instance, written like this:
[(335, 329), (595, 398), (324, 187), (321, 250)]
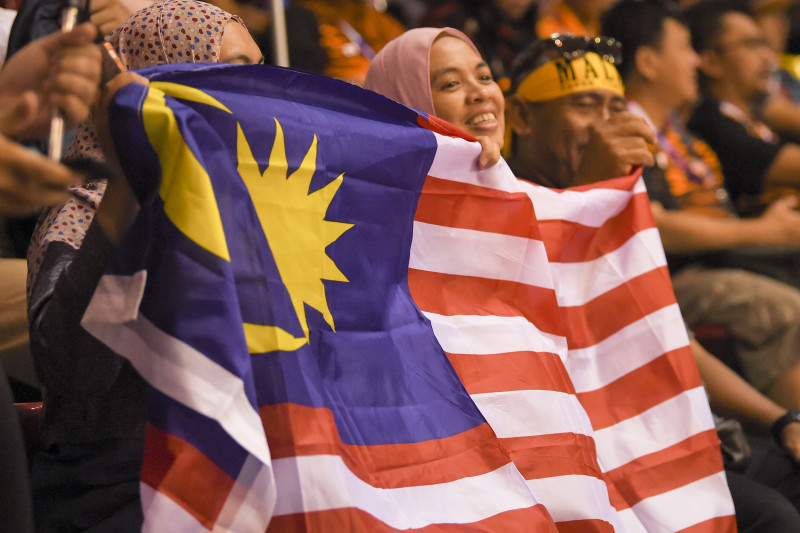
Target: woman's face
[(237, 46), (464, 92)]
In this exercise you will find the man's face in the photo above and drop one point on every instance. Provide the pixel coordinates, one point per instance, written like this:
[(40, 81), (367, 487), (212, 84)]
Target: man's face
[(745, 60), (677, 62), (560, 131)]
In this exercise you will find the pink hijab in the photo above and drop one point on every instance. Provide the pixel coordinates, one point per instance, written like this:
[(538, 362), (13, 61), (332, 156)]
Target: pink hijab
[(401, 70)]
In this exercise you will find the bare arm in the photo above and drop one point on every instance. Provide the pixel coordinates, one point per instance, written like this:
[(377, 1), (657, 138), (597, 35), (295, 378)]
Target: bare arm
[(683, 231), (785, 168), (730, 395), (783, 116)]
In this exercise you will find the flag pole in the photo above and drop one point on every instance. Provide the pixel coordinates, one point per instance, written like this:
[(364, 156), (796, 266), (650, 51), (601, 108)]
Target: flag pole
[(279, 34)]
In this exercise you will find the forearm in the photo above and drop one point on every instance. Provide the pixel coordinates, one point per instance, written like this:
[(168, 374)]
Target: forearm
[(730, 395), (783, 116), (690, 232)]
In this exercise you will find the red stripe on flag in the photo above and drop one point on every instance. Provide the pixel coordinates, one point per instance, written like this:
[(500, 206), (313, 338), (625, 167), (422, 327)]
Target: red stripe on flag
[(592, 322), (449, 294), (680, 464), (512, 371), (462, 205), (720, 524), (179, 470), (571, 242), (582, 526), (534, 519), (294, 430), (641, 389), (556, 454), (442, 127)]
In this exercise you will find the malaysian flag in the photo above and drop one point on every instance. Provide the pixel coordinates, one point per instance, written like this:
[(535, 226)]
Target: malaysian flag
[(346, 326)]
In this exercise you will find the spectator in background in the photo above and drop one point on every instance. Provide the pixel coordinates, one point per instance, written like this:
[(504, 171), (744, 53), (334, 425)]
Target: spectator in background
[(578, 17), (773, 19), (736, 64), (500, 29), (781, 110), (352, 32)]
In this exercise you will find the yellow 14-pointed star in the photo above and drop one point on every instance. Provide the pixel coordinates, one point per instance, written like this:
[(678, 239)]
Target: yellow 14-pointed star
[(294, 223)]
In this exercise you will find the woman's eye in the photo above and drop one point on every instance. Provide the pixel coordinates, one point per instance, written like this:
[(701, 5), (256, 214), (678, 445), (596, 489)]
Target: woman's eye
[(450, 85)]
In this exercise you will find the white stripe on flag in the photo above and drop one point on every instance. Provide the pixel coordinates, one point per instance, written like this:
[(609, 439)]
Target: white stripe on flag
[(172, 366), (591, 208), (668, 423), (323, 482), (575, 497), (244, 508), (482, 254), (491, 334), (579, 283), (635, 345), (681, 508), (532, 412), (456, 160)]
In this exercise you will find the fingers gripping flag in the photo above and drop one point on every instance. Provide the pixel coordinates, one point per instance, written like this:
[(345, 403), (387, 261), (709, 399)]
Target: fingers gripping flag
[(346, 326)]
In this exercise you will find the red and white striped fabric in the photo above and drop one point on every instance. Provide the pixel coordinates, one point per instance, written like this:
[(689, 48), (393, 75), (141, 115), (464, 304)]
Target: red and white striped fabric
[(629, 358), (562, 325)]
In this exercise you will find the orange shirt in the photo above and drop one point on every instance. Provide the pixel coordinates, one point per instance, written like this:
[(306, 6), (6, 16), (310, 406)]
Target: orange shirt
[(350, 31), (561, 19)]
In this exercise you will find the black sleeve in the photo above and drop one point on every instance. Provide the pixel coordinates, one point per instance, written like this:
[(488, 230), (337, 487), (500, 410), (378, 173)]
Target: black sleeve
[(658, 189), (745, 159), (68, 359)]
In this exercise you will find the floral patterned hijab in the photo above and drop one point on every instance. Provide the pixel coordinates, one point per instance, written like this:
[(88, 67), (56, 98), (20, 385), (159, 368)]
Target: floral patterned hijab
[(168, 31)]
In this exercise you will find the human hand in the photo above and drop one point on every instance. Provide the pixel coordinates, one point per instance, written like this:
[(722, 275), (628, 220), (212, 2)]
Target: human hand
[(490, 152), (29, 181), (60, 70), (615, 146), (108, 15), (781, 222), (791, 439), (100, 110)]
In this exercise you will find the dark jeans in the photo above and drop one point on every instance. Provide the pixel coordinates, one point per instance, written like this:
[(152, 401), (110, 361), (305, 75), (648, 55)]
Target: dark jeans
[(767, 494), (91, 488), (15, 503)]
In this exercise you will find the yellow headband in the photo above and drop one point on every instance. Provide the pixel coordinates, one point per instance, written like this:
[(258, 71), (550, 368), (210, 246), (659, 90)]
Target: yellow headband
[(561, 77)]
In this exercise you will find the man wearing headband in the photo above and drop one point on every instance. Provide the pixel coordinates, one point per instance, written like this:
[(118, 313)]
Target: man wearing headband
[(567, 122), (736, 65)]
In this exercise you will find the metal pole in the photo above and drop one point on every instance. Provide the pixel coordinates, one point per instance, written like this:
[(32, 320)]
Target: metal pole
[(279, 34)]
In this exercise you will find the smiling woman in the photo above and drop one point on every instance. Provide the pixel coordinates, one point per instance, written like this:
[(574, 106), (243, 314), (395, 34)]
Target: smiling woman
[(439, 71)]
